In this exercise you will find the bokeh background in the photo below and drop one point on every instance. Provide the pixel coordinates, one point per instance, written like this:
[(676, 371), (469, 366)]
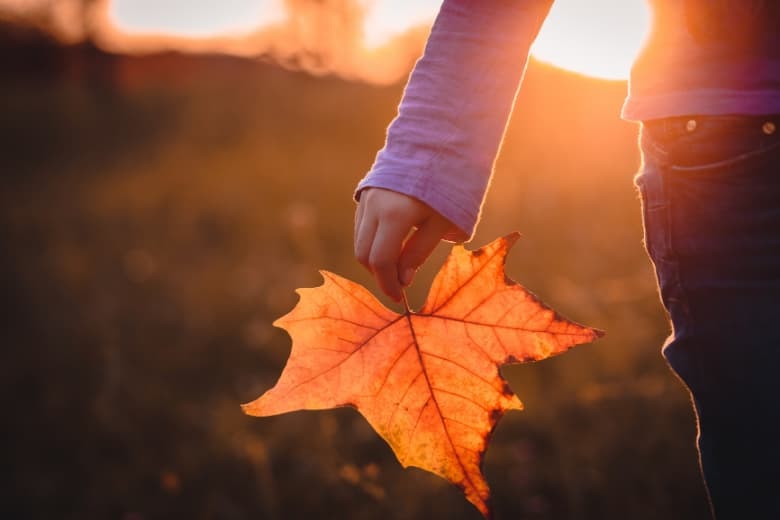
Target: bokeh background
[(157, 212)]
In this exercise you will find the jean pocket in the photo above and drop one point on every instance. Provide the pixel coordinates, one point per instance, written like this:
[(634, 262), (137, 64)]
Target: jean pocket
[(655, 211), (714, 143), (728, 158), (657, 224), (726, 221)]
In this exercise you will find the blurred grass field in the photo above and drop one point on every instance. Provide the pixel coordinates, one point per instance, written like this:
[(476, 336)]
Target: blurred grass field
[(157, 214)]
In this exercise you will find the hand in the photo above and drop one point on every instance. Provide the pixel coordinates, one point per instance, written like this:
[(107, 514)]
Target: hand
[(383, 221)]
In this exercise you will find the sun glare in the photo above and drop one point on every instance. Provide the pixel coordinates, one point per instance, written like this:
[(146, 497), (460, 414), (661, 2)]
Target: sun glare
[(388, 18), (194, 18), (595, 37)]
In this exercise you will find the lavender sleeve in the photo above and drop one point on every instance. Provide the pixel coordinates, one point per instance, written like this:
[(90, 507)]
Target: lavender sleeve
[(441, 147)]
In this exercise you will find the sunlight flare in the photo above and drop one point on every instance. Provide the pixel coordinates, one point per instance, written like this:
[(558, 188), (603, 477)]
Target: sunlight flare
[(194, 18), (597, 38)]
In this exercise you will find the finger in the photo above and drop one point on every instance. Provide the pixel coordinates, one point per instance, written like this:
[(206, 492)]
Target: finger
[(419, 247), (365, 233), (361, 207), (383, 259)]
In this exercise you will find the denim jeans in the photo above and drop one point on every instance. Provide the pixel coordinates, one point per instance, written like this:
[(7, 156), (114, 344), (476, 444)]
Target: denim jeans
[(710, 190)]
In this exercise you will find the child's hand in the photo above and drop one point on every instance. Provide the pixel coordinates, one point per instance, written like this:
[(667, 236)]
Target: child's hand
[(383, 222)]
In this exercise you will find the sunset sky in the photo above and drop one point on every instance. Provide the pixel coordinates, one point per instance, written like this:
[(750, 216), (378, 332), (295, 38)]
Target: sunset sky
[(594, 37), (597, 37)]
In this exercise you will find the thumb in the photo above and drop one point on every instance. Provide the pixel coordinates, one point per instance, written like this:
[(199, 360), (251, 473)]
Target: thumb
[(419, 247)]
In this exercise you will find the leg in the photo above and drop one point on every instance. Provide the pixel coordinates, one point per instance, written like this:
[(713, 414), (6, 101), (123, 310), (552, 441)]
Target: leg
[(711, 202)]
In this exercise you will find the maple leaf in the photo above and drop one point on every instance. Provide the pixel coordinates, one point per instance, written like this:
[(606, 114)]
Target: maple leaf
[(428, 382)]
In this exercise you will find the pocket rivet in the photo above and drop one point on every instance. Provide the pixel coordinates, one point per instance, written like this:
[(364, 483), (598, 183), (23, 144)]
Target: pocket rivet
[(690, 125), (768, 128)]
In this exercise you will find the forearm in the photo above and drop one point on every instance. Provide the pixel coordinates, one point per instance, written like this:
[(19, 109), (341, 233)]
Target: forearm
[(441, 147)]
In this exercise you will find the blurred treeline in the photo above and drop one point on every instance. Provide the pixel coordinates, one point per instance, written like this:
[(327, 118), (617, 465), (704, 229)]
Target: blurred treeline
[(156, 215)]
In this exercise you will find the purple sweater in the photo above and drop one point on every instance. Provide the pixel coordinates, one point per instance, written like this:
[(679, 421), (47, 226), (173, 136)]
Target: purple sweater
[(442, 145)]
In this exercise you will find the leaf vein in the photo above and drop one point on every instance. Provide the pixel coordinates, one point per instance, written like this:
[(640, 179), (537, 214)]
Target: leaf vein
[(459, 365), (468, 280), (392, 367), (462, 423), (479, 304), (334, 318), (456, 394), (343, 360), (363, 303), (476, 343), (436, 403), (504, 327), (403, 396), (417, 421)]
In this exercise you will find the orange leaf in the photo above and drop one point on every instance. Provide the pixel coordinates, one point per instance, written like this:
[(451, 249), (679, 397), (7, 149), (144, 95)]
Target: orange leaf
[(427, 381)]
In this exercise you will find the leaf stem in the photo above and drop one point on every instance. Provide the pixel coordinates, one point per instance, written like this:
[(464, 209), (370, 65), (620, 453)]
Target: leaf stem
[(406, 301)]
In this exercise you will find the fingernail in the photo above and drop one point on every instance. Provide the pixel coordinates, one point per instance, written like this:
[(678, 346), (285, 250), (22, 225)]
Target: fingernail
[(406, 277)]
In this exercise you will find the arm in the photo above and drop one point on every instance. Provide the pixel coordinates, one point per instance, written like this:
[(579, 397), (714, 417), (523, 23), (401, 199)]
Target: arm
[(436, 164)]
